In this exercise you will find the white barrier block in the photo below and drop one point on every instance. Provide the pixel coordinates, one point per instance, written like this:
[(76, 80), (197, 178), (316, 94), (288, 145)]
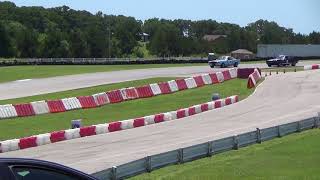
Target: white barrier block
[(127, 124), (40, 107), (191, 83), (173, 86), (149, 120), (10, 145), (102, 128), (210, 105), (173, 115), (307, 67), (2, 112), (220, 76), (233, 73), (43, 139), (167, 116), (155, 89), (101, 98), (72, 133), (206, 79), (66, 104), (197, 108)]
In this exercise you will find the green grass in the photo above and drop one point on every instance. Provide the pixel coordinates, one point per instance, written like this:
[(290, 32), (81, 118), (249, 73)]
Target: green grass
[(20, 127), (13, 73), (292, 157)]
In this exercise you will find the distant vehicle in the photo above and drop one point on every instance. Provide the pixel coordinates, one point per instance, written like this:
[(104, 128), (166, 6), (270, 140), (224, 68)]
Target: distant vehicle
[(282, 60), (211, 56), (224, 61), (30, 169)]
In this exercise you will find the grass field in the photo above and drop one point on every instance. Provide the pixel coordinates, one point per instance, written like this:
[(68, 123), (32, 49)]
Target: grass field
[(20, 127), (293, 157), (13, 73)]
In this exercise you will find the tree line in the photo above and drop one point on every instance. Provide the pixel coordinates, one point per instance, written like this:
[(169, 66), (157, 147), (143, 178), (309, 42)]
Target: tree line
[(34, 32)]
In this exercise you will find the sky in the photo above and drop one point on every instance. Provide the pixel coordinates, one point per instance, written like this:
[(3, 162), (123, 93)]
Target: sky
[(301, 15)]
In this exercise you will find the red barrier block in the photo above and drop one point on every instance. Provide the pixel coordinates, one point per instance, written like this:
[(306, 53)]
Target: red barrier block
[(131, 93), (204, 107), (237, 98), (244, 73), (165, 88), (191, 111), (199, 81), (57, 136), (115, 96), (181, 113), (315, 66), (226, 75), (182, 85), (115, 126), (87, 102), (56, 106), (144, 91), (217, 104), (138, 122), (214, 78), (87, 131), (228, 101), (159, 118), (24, 110), (27, 142)]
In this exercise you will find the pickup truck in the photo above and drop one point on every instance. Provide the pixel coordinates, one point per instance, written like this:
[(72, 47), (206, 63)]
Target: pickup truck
[(282, 60), (224, 61)]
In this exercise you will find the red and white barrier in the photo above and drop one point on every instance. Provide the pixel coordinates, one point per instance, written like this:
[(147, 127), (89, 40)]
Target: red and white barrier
[(155, 89), (253, 79), (101, 99), (182, 85), (199, 81), (312, 67), (206, 79), (220, 77), (57, 136), (115, 96), (165, 88), (173, 86), (191, 83), (233, 73)]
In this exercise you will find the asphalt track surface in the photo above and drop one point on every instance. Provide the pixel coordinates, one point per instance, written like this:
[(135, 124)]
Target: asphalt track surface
[(31, 87), (279, 99)]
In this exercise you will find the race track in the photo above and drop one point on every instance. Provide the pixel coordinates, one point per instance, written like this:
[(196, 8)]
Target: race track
[(31, 87), (279, 99)]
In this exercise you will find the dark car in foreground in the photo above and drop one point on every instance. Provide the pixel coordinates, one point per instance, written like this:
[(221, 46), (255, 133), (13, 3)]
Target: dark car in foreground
[(30, 169), (224, 61), (282, 60)]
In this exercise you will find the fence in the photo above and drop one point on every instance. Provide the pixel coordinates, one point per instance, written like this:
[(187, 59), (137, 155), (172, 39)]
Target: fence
[(207, 149), (107, 61)]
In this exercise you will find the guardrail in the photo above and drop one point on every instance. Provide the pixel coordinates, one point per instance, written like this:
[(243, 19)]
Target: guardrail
[(207, 149)]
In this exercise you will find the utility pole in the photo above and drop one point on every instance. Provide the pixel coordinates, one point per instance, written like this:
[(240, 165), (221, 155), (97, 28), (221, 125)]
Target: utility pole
[(109, 42)]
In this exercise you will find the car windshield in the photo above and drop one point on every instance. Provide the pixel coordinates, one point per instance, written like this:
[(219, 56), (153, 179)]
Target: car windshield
[(282, 57), (223, 58)]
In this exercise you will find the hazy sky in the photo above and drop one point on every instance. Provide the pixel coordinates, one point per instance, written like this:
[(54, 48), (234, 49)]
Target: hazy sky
[(300, 15)]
